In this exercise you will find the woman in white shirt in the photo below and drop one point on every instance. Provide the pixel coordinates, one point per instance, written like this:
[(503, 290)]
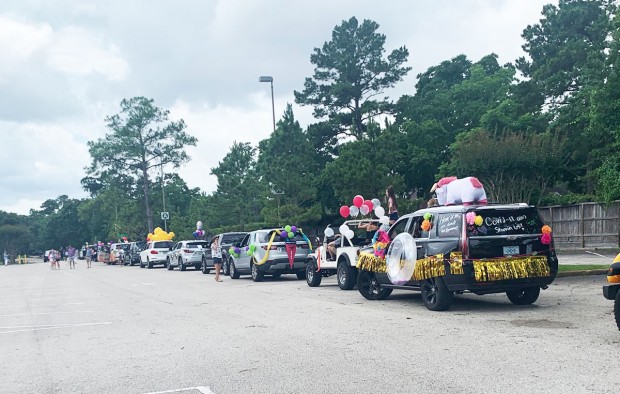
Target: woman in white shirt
[(216, 254)]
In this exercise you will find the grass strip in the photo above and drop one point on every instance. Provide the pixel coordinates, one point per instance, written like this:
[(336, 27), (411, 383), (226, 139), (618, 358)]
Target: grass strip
[(581, 267)]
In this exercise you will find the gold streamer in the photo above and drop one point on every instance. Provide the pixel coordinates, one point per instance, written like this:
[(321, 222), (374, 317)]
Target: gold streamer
[(370, 262), (456, 263), (264, 260), (506, 268), (429, 267)]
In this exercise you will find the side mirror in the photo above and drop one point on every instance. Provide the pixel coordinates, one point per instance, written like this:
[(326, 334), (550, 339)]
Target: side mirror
[(170, 248), (238, 244)]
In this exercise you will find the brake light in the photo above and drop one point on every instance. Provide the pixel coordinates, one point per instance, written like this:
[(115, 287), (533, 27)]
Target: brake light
[(464, 241), (187, 251), (273, 247), (154, 251)]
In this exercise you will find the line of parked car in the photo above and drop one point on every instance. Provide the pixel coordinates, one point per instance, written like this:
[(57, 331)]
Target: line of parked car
[(478, 249)]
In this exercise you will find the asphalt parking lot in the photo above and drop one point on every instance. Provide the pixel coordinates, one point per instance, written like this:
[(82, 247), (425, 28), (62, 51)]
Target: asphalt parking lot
[(114, 329)]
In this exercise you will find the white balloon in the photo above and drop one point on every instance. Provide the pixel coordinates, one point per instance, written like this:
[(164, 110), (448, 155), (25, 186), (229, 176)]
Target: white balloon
[(199, 225), (379, 211), (384, 220), (343, 229), (375, 202), (349, 234), (364, 210), (329, 232), (354, 211)]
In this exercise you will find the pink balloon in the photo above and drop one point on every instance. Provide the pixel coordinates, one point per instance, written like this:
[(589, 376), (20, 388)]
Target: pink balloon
[(370, 205), (344, 211), (358, 201)]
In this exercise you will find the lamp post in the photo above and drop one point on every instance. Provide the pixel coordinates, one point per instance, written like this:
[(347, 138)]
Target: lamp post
[(269, 79), (158, 152)]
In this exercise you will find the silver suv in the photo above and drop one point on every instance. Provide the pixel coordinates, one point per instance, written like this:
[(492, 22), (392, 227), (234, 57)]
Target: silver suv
[(269, 257), (186, 253)]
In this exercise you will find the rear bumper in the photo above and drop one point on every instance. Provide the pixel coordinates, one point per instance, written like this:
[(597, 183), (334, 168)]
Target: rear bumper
[(283, 266), (610, 291)]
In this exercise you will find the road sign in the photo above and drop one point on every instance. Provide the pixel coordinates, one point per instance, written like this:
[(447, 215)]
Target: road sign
[(165, 215)]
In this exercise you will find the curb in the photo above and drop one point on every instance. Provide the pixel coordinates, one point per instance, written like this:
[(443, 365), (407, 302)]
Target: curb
[(582, 273)]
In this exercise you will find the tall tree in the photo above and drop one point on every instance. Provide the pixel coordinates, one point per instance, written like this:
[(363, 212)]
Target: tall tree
[(350, 72), (140, 137)]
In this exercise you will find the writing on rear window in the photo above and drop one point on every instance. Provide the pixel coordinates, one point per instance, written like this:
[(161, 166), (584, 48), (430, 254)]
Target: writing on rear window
[(498, 222)]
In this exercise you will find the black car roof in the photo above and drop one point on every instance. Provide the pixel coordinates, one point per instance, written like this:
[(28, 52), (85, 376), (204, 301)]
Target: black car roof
[(467, 208)]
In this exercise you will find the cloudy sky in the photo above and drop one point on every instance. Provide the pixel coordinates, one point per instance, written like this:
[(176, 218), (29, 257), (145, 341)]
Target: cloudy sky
[(66, 64)]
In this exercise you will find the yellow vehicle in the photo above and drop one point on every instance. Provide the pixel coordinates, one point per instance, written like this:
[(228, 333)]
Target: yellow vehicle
[(612, 290)]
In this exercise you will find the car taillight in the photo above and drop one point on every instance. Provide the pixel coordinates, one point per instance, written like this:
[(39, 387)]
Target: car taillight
[(304, 246), (154, 252), (464, 243), (273, 247), (187, 251)]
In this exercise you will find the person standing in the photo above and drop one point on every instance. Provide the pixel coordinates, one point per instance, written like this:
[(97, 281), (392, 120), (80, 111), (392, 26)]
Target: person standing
[(53, 258), (89, 256), (71, 256), (6, 258), (216, 254), (392, 204)]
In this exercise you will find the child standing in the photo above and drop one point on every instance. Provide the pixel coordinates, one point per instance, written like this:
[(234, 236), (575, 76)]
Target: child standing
[(216, 254)]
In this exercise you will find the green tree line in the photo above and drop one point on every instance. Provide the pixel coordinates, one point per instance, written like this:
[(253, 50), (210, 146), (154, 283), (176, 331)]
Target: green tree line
[(543, 129)]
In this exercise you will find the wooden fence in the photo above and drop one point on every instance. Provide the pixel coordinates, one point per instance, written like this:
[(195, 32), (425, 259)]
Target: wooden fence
[(587, 225)]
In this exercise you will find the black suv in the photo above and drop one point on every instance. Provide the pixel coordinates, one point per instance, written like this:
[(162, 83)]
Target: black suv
[(457, 249), (226, 240)]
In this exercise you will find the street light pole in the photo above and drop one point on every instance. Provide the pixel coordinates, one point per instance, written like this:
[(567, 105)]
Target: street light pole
[(273, 107), (158, 152)]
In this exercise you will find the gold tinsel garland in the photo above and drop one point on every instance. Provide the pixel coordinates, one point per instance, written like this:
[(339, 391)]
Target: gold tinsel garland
[(485, 270), (506, 268)]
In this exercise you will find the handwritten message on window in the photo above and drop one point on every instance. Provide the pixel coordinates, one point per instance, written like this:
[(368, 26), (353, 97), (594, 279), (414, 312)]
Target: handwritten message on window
[(449, 225)]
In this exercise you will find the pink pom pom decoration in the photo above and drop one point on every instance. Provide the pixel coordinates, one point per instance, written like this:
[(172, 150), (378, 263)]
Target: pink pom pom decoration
[(470, 218), (545, 239)]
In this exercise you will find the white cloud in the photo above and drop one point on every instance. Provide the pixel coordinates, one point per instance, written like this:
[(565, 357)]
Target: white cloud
[(18, 41)]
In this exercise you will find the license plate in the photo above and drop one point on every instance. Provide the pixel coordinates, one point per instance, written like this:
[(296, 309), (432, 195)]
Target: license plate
[(511, 250), (280, 249)]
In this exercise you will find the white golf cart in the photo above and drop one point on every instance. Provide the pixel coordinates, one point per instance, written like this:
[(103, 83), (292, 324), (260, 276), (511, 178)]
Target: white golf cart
[(337, 254)]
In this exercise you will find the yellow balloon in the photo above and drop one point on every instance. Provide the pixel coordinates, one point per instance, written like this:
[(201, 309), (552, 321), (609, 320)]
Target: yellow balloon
[(171, 235), (158, 230)]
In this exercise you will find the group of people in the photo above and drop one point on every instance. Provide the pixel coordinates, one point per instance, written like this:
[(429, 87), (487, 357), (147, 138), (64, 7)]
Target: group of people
[(71, 255)]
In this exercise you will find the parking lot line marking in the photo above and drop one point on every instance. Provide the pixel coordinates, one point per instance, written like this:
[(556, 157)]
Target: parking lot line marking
[(39, 305), (55, 327), (44, 313), (143, 284), (202, 389), (596, 254)]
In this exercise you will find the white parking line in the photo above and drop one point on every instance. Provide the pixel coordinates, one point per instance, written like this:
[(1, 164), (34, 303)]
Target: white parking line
[(142, 284), (44, 313), (51, 327), (39, 305), (202, 389)]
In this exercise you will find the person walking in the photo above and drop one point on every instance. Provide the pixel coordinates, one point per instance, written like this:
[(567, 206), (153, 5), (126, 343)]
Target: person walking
[(89, 257), (53, 259), (6, 258), (216, 254), (392, 204), (71, 251)]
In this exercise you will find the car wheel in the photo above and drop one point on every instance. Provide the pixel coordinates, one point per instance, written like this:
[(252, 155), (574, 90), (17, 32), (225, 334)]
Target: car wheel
[(347, 275), (617, 309), (141, 264), (369, 287), (234, 274), (526, 296), (203, 267), (225, 267), (436, 295), (168, 265), (181, 265), (313, 278), (257, 275), (149, 265), (301, 275), (197, 267)]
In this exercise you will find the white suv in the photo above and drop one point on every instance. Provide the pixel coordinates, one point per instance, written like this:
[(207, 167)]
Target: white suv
[(186, 253), (156, 252), (323, 263)]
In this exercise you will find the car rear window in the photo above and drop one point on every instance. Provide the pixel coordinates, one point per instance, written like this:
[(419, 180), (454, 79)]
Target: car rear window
[(163, 244), (522, 221), (232, 238), (196, 245)]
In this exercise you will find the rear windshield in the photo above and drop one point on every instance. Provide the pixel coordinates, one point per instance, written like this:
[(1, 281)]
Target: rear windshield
[(521, 221), (196, 245), (265, 237), (163, 244), (232, 238)]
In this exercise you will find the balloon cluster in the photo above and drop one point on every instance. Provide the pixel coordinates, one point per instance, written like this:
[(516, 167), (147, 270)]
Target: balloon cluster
[(288, 232), (364, 207), (160, 235), (249, 250), (426, 223), (199, 233), (234, 251), (346, 231), (545, 238), (472, 219)]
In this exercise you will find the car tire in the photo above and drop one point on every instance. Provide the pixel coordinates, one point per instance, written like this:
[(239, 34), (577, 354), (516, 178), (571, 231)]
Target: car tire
[(203, 267), (149, 265), (525, 296), (435, 294), (197, 267), (301, 275), (369, 287), (313, 278), (141, 264), (617, 309), (181, 265), (169, 266), (234, 274), (347, 275), (225, 267), (257, 275)]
